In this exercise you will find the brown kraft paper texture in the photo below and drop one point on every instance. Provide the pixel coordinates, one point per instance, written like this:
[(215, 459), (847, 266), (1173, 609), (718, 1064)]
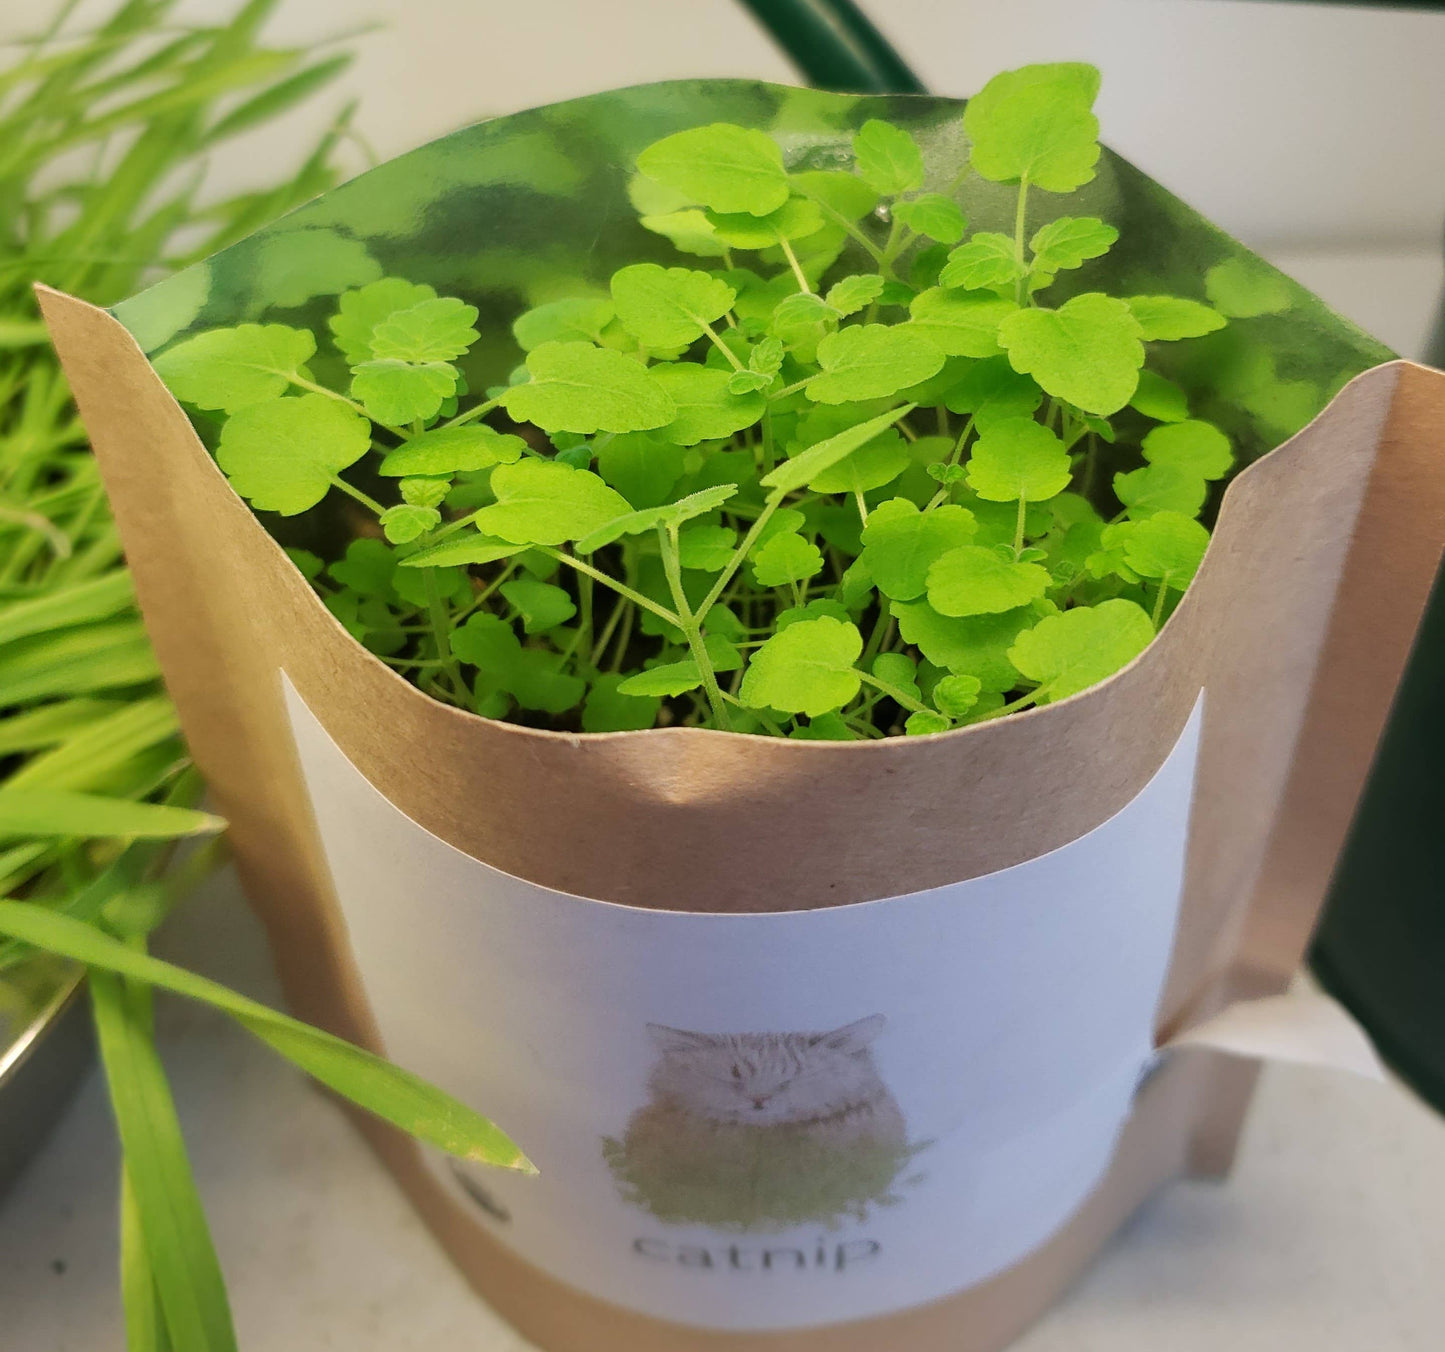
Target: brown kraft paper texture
[(1297, 627)]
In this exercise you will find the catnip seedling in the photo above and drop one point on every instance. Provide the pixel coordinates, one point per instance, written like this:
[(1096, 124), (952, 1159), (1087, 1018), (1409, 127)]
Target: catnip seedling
[(842, 470)]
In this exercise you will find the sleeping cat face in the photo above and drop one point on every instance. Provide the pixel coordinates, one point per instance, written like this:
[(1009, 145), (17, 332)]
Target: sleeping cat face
[(766, 1079)]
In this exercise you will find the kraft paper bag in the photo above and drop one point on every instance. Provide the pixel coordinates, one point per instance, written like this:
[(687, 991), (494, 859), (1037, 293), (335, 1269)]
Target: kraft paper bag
[(969, 948)]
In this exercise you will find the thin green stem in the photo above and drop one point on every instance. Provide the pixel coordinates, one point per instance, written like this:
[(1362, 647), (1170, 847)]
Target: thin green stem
[(893, 692), (1159, 600), (667, 542), (1019, 525), (793, 263), (740, 553), (720, 345), (472, 414), (370, 503), (1020, 224), (621, 588)]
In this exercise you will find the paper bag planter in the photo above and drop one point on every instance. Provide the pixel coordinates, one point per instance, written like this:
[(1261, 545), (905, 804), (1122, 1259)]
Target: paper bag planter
[(815, 1043)]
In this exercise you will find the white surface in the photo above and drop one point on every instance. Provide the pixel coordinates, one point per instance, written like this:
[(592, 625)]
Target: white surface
[(1001, 1041), (1288, 124), (1330, 1235)]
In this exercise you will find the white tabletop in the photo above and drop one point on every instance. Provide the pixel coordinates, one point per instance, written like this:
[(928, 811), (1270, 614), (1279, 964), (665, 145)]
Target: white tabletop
[(1330, 1235)]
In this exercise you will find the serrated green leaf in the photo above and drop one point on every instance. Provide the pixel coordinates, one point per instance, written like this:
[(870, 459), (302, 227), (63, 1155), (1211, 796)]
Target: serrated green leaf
[(1159, 398), (900, 544), (1069, 241), (785, 559), (1166, 545), (650, 518), (1035, 124), (360, 311), (1161, 488), (1018, 458), (689, 230), (576, 319), (424, 492), (851, 294), (960, 325), (806, 669), (607, 709), (532, 676), (806, 466), (1243, 289), (987, 260), (438, 330), (540, 502), (871, 361), (706, 548), (872, 465), (991, 390), (541, 605), (671, 679), (796, 219), (576, 387), (924, 722), (1167, 318), (974, 645), (404, 523), (1193, 446), (282, 455), (668, 307), (453, 450), (706, 407), (972, 580), (1087, 352), (722, 166), (1072, 651), (642, 467), (227, 369), (954, 696), (396, 392), (454, 553), (800, 322), (933, 215), (888, 158)]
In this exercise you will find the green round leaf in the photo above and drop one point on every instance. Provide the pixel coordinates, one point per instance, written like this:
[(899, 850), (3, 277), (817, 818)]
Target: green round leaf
[(986, 261), (607, 709), (888, 158), (360, 311), (972, 580), (1166, 318), (282, 455), (668, 307), (991, 390), (784, 559), (405, 522), (1243, 288), (1070, 652), (1197, 447), (453, 450), (1018, 458), (1087, 352), (642, 467), (1166, 545), (576, 387), (900, 544), (397, 393), (1161, 488), (934, 215), (871, 361), (576, 319), (540, 502), (797, 218), (851, 294), (872, 465), (541, 605), (432, 330), (1035, 123), (1159, 398), (805, 669), (956, 695), (974, 645), (960, 325), (706, 408), (227, 369), (722, 166)]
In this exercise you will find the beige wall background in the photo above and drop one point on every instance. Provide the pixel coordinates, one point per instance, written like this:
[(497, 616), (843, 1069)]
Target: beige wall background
[(1290, 124)]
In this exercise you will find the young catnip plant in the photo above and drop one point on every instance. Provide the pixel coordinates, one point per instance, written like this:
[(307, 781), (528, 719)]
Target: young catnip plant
[(766, 490)]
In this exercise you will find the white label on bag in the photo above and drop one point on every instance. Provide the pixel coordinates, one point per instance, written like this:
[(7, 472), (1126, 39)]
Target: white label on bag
[(772, 1121)]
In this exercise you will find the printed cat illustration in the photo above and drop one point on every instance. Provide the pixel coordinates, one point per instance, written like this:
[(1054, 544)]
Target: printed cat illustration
[(763, 1130)]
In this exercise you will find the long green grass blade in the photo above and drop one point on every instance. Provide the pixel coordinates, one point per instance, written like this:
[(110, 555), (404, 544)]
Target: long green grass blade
[(36, 729), (145, 1324), (91, 757), (396, 1095), (182, 1259), (97, 599), (76, 662), (61, 812)]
